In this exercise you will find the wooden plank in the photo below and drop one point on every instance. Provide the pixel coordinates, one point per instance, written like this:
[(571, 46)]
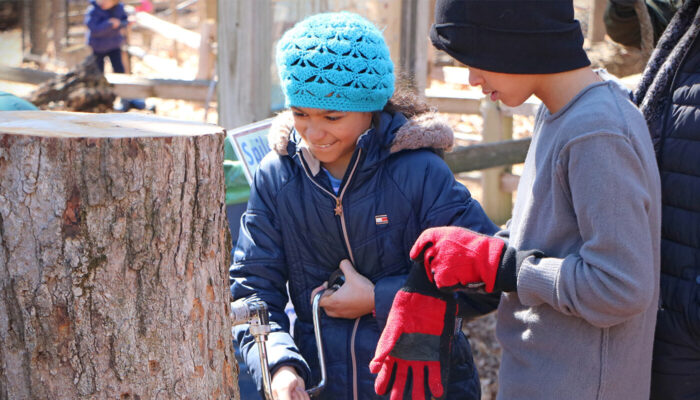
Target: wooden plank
[(25, 75), (244, 59), (124, 85), (487, 155), (157, 63), (168, 30), (469, 102), (454, 101), (136, 87)]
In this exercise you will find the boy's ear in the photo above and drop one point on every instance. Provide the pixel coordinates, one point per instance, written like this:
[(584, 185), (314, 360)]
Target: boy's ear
[(281, 128)]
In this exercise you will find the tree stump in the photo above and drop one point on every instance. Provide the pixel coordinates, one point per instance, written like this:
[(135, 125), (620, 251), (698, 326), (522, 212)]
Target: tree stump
[(114, 252)]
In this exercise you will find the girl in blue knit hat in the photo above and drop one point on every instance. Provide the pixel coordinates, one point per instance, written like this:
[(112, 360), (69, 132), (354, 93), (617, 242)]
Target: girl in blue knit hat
[(354, 176)]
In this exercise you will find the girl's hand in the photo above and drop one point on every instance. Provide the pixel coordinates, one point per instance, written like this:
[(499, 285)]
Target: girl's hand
[(352, 300), (287, 385)]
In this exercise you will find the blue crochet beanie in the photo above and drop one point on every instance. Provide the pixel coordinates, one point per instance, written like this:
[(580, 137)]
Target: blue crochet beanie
[(335, 61)]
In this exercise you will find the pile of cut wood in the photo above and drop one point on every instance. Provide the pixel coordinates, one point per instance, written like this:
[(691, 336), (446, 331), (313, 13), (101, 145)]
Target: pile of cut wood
[(84, 88)]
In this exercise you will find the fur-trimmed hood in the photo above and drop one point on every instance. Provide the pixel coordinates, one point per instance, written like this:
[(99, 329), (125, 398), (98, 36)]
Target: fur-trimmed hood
[(655, 86), (428, 130)]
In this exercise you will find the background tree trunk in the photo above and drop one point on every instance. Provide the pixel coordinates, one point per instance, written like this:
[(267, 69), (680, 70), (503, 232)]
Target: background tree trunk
[(114, 252), (39, 33)]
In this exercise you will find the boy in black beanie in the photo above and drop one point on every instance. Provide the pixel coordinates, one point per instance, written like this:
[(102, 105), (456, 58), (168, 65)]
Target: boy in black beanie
[(578, 264)]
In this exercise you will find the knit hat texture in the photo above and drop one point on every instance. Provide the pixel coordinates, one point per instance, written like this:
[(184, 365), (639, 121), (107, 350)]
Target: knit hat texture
[(335, 61), (510, 36)]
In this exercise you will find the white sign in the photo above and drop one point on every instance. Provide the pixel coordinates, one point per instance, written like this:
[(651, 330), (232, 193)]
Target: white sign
[(250, 145)]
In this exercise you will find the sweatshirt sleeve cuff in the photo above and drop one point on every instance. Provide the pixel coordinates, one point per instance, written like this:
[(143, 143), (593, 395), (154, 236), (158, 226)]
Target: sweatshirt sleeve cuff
[(537, 280)]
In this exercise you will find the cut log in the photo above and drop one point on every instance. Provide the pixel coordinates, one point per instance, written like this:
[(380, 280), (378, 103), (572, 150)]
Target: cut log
[(114, 252)]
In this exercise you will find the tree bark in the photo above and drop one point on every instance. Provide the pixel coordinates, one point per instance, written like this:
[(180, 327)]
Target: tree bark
[(114, 252)]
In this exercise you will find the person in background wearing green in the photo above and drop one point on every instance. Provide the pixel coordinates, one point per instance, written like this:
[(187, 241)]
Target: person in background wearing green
[(237, 188)]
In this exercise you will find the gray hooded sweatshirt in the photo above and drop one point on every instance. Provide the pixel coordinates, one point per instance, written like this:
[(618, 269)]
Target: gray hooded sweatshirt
[(581, 324)]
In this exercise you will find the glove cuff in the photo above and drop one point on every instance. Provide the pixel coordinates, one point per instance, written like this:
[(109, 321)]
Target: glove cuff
[(418, 282), (507, 274)]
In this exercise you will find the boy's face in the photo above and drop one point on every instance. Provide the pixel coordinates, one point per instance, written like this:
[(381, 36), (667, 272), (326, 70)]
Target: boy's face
[(107, 4), (331, 135), (511, 89)]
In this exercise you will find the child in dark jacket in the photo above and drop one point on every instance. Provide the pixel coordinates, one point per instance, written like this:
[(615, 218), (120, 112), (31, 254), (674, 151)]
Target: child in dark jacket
[(105, 19), (578, 265), (353, 179)]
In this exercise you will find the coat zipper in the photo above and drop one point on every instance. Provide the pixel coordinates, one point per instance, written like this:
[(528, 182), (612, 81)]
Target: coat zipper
[(339, 212)]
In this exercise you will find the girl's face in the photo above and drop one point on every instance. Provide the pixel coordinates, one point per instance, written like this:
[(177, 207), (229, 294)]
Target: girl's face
[(331, 135), (511, 89)]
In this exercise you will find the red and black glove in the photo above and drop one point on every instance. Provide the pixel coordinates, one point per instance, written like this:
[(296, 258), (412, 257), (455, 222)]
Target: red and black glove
[(417, 337), (457, 257)]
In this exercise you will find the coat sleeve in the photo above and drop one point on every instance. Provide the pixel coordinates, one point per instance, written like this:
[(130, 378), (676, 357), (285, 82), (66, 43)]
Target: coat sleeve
[(122, 16), (450, 203), (98, 26), (446, 202), (259, 271), (440, 201), (612, 276)]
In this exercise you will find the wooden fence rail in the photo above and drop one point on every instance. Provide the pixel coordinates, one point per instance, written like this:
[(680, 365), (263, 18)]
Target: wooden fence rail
[(126, 85), (487, 155), (496, 153)]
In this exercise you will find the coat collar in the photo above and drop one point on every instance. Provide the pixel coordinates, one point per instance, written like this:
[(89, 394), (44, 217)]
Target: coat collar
[(393, 134)]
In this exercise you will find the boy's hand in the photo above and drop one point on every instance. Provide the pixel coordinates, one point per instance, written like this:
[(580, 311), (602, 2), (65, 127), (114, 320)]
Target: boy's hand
[(417, 336), (353, 299), (115, 22), (457, 257)]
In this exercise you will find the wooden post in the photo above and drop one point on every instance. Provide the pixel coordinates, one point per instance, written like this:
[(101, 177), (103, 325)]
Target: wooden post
[(244, 59), (114, 255), (173, 19), (415, 24), (497, 127), (596, 26), (387, 15), (205, 67), (40, 12), (60, 25), (210, 9)]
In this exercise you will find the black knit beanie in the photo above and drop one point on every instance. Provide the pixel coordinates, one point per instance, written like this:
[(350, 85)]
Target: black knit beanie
[(510, 36)]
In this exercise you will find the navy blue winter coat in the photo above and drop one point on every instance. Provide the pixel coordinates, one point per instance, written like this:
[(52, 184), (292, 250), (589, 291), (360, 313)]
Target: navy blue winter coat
[(669, 97), (101, 36), (291, 238)]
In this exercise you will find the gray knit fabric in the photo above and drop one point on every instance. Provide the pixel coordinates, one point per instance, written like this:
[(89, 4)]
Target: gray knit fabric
[(581, 324)]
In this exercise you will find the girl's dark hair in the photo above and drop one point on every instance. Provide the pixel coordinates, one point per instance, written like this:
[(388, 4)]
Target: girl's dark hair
[(405, 101)]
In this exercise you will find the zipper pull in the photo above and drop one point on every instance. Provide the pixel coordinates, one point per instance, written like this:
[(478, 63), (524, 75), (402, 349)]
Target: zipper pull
[(338, 207)]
